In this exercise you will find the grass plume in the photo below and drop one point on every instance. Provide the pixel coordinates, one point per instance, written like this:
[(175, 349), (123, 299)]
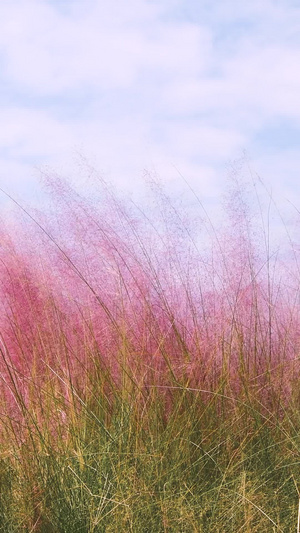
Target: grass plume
[(149, 365)]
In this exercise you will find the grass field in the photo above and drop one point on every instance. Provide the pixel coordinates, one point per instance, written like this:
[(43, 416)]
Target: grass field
[(149, 366)]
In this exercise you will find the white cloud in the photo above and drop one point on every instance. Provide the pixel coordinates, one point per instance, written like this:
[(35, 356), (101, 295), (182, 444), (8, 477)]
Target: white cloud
[(147, 88), (253, 86), (25, 133), (47, 52), (192, 140)]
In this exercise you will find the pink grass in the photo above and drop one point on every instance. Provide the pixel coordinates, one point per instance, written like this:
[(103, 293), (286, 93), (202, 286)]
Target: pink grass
[(100, 289)]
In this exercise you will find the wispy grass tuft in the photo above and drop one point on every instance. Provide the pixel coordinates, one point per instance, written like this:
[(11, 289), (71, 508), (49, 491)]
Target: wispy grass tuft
[(149, 365)]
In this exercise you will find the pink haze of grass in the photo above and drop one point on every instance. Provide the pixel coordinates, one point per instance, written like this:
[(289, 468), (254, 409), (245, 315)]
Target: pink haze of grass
[(149, 297)]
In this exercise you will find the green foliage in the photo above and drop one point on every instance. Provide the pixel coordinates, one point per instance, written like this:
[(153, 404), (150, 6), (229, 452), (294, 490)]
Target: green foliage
[(236, 473)]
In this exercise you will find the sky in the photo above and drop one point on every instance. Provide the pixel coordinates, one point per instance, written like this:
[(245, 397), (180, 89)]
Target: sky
[(166, 87)]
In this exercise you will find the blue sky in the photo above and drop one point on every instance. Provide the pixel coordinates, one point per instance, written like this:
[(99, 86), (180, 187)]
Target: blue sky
[(150, 85)]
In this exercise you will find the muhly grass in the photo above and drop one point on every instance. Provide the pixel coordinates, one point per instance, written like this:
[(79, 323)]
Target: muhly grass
[(149, 367)]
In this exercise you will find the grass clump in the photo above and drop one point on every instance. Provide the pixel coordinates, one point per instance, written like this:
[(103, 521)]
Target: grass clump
[(149, 373)]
